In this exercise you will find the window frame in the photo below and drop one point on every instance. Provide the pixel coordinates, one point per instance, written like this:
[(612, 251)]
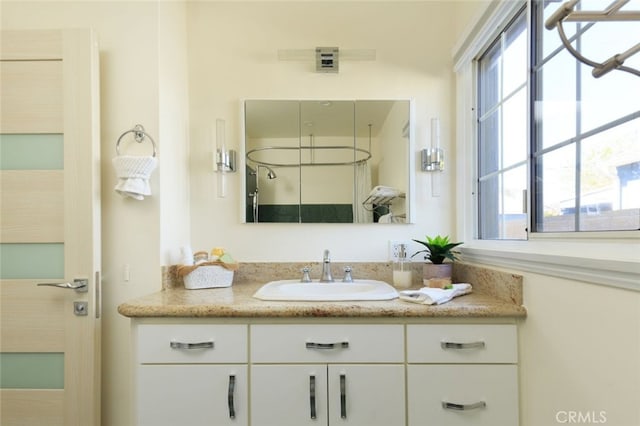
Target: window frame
[(504, 98), (609, 258)]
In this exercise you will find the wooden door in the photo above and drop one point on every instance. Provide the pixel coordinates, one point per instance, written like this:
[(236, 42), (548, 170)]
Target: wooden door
[(49, 228)]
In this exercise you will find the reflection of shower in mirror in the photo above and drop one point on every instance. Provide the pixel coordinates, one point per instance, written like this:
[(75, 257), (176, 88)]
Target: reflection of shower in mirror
[(270, 173), (327, 156)]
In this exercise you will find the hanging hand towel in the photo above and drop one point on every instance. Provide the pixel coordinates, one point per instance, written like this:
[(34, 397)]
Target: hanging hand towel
[(435, 296), (133, 174)]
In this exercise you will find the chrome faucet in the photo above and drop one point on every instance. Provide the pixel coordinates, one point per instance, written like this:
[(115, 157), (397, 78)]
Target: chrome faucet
[(326, 268)]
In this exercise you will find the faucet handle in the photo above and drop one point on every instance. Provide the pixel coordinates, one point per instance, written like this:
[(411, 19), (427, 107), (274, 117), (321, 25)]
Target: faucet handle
[(347, 275), (305, 275)]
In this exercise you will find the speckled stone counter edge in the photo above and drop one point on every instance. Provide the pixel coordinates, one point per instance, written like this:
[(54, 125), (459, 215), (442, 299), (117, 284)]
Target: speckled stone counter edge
[(498, 284)]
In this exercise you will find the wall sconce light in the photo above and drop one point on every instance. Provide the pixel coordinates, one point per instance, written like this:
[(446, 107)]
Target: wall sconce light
[(433, 158), (225, 159)]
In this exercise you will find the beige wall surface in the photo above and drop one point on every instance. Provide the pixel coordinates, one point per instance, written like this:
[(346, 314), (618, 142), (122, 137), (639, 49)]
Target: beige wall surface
[(580, 344), (579, 352)]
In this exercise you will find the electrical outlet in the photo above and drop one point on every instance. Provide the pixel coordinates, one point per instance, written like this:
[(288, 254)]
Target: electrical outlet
[(394, 249)]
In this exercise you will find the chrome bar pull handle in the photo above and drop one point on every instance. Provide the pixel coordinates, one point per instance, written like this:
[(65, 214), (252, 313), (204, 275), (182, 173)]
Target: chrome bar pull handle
[(314, 345), (470, 345), (343, 396), (463, 407), (199, 345), (81, 285), (230, 394), (312, 396)]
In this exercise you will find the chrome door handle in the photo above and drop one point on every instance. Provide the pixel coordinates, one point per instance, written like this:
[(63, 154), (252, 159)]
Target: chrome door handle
[(463, 407), (470, 345), (343, 396), (230, 402), (314, 345), (81, 285), (199, 345), (312, 396)]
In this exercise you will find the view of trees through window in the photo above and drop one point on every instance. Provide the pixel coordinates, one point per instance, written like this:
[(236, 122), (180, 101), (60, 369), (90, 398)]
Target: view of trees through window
[(586, 129), (577, 153)]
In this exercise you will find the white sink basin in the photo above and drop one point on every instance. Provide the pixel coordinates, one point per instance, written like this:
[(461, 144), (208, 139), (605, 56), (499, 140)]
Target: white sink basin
[(294, 290)]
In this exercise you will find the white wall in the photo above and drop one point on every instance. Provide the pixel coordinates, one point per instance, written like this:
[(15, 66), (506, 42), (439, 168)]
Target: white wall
[(233, 56)]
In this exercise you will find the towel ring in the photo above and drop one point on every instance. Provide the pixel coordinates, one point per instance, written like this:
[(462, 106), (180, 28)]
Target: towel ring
[(139, 135)]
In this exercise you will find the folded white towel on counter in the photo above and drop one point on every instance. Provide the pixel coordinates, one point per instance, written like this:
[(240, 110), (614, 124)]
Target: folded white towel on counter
[(133, 174), (435, 296)]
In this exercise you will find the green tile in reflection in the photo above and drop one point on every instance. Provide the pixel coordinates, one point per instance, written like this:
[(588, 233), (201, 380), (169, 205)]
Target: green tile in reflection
[(31, 152), (31, 261), (32, 370)]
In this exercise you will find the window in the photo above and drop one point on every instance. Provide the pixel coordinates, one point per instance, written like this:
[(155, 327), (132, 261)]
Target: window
[(503, 134), (586, 130), (576, 144)]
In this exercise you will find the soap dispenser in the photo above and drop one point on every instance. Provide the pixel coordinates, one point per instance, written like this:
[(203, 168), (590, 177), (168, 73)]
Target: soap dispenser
[(402, 269)]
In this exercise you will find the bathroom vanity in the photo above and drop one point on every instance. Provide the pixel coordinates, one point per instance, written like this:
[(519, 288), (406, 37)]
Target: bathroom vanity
[(221, 357)]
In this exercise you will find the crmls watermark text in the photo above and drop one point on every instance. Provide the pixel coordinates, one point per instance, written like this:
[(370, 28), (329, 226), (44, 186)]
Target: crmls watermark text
[(581, 417)]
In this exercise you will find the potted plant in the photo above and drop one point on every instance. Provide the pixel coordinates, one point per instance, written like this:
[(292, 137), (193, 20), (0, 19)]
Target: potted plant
[(436, 272)]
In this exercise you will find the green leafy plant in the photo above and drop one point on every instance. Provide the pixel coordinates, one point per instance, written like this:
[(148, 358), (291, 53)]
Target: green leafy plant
[(438, 249)]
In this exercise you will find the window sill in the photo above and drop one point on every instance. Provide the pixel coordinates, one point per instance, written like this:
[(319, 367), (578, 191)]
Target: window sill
[(613, 264)]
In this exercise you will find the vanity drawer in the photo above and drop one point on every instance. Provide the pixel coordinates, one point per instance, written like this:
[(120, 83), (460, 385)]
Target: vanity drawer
[(193, 343), (327, 343), (453, 343), (462, 395)]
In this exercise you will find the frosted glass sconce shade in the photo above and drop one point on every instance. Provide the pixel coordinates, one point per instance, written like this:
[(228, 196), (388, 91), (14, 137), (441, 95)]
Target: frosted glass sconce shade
[(225, 159), (433, 158)]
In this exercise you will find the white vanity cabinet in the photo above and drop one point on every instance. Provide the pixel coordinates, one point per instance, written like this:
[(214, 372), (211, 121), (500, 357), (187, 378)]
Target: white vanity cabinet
[(391, 372), (460, 375), (192, 375), (327, 375)]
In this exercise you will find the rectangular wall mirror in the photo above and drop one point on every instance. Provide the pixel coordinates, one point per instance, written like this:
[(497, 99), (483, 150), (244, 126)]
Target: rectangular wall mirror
[(327, 161)]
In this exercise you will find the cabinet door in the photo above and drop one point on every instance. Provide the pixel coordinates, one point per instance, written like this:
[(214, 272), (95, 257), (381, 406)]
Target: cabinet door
[(366, 395), (462, 395), (288, 395), (194, 395)]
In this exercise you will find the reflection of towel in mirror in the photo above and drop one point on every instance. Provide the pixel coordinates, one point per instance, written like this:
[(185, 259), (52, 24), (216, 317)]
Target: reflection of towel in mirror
[(384, 191), (390, 218), (385, 218), (133, 174)]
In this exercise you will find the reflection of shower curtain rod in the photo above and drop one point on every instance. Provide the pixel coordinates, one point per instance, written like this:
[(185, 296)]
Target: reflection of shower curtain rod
[(367, 155)]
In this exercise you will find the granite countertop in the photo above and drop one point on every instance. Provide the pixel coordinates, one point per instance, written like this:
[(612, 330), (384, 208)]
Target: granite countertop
[(237, 301), (496, 294)]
